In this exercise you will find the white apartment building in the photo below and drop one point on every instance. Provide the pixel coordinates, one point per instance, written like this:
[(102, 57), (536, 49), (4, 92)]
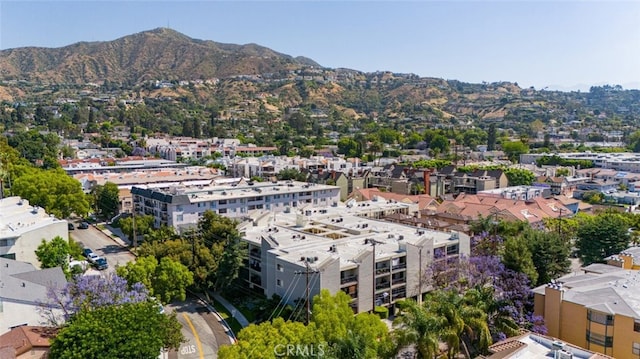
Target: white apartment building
[(23, 288), (345, 248), (23, 227), (182, 206), (623, 161)]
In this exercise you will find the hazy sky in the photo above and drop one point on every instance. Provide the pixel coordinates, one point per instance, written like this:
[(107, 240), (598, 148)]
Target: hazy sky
[(556, 44)]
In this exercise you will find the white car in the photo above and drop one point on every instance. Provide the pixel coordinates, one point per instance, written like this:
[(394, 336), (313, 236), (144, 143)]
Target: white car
[(92, 257)]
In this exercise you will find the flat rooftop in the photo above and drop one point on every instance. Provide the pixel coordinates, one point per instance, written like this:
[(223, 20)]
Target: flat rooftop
[(239, 188), (311, 232), (17, 217)]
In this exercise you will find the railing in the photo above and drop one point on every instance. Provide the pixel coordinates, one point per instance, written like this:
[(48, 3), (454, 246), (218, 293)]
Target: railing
[(350, 279), (399, 266), (382, 270), (382, 285), (255, 253), (397, 281)]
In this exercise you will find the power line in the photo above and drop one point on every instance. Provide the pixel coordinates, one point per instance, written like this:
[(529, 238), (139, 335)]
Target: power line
[(306, 272)]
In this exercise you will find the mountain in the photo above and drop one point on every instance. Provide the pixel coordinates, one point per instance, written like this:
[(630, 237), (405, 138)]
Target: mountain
[(160, 54)]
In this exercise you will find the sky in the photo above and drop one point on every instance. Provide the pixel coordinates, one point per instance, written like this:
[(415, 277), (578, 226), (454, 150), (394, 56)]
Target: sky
[(558, 45)]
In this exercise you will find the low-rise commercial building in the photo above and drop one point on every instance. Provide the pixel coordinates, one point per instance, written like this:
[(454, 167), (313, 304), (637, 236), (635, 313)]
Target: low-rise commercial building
[(345, 248)]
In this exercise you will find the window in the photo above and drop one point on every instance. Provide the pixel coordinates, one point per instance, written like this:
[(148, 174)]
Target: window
[(179, 208), (635, 348), (279, 282), (222, 211), (452, 250), (599, 339), (279, 268), (7, 242), (179, 218), (8, 256), (636, 326), (601, 318)]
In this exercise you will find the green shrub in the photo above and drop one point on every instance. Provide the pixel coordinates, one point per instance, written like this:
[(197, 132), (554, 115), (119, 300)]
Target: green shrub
[(382, 312)]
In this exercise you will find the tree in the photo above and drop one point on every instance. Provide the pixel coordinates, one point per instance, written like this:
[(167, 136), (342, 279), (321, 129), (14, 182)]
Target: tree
[(414, 326), (107, 199), (517, 257), (550, 254), (602, 236), (54, 190), (128, 330), (519, 176), (54, 253), (513, 149), (270, 340), (491, 137), (143, 225), (167, 280), (89, 293)]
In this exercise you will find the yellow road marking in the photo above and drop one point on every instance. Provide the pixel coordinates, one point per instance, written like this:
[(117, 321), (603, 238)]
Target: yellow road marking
[(195, 334)]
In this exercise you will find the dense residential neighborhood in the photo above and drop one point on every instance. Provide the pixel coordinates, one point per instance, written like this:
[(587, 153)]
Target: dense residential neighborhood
[(315, 209)]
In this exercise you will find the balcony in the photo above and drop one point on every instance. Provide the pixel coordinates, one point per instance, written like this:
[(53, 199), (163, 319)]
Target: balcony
[(256, 253), (399, 266), (350, 279), (399, 280), (399, 293), (383, 285), (382, 269)]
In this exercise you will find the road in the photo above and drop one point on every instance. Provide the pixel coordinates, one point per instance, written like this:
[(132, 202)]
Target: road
[(103, 245), (201, 328)]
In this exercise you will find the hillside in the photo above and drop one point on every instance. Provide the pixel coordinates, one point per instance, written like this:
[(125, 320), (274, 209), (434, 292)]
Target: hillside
[(157, 54)]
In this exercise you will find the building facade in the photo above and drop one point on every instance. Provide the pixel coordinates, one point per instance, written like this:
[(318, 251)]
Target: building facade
[(182, 206), (23, 227), (344, 248), (598, 310)]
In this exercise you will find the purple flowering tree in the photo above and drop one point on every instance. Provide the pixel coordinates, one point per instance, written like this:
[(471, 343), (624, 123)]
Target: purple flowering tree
[(88, 293), (505, 295)]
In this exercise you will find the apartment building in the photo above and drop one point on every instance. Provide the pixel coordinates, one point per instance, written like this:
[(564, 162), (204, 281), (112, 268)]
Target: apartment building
[(598, 310), (345, 248), (182, 205), (23, 227)]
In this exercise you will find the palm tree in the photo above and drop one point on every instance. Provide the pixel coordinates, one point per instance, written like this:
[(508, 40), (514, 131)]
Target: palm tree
[(415, 326)]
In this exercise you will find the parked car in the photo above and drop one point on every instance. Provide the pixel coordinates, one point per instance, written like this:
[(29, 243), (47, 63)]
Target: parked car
[(71, 226), (92, 257), (101, 263), (86, 252), (83, 225)]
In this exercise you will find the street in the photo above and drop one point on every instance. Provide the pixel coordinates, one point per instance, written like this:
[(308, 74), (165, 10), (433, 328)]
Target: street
[(201, 328), (102, 245)]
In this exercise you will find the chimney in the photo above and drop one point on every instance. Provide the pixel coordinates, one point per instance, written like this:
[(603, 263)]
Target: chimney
[(553, 296), (627, 260), (426, 174)]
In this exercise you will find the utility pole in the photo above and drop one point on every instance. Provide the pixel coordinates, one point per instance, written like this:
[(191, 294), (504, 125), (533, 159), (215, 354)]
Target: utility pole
[(306, 272), (374, 243), (135, 237), (420, 276), (560, 223)]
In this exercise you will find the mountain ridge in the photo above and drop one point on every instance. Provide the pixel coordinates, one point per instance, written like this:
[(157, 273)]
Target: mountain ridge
[(159, 53)]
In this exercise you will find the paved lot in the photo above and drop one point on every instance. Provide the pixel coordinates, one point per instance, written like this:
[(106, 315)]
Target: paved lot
[(103, 245)]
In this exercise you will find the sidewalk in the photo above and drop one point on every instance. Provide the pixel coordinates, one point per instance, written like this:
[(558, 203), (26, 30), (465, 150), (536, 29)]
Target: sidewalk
[(233, 310), (115, 234)]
